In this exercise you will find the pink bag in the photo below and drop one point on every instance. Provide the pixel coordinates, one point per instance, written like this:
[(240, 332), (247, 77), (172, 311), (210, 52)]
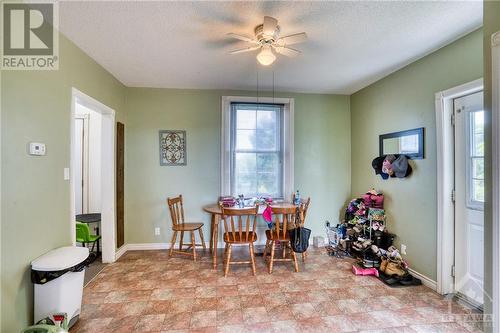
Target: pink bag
[(268, 214), (356, 270)]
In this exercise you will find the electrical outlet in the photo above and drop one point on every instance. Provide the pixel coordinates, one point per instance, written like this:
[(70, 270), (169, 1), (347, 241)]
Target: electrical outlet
[(403, 249), (157, 231)]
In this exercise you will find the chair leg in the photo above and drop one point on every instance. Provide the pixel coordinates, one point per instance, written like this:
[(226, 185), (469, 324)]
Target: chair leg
[(174, 237), (295, 262), (202, 239), (284, 245), (181, 241), (304, 255), (265, 249), (92, 249), (193, 244), (273, 244), (252, 257), (228, 260), (224, 255)]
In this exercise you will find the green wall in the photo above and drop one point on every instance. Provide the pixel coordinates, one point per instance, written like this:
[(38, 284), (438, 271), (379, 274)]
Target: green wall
[(491, 17), (322, 156), (401, 101), (35, 204)]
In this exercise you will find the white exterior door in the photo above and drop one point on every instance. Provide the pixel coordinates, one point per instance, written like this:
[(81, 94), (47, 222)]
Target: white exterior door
[(469, 197)]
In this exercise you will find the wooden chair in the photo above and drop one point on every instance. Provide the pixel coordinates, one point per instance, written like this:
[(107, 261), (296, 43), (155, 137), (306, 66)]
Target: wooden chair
[(304, 203), (284, 220), (178, 225), (239, 229)]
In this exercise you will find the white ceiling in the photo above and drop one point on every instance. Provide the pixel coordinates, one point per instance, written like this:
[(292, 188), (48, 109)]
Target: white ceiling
[(184, 44)]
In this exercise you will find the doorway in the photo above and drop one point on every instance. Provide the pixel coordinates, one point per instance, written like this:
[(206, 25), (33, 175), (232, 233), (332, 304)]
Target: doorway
[(459, 223), (92, 180), (469, 198)]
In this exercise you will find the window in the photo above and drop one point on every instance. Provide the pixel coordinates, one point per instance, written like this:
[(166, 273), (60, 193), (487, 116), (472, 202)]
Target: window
[(476, 159), (257, 147)]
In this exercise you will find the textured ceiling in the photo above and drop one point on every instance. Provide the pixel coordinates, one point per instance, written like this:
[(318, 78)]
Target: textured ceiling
[(184, 44)]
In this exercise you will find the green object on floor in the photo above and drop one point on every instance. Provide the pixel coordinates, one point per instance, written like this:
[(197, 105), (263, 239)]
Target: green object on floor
[(48, 325), (43, 328), (83, 234)]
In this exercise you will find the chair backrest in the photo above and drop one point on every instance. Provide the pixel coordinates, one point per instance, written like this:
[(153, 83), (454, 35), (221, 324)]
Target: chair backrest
[(304, 203), (239, 223), (176, 210), (82, 232), (286, 219)]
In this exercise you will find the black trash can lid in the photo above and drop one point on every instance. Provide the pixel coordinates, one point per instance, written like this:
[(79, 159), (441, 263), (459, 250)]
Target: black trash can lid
[(62, 258)]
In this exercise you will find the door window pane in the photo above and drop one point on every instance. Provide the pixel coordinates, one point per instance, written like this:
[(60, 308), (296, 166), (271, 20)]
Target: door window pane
[(476, 158), (478, 190), (478, 168)]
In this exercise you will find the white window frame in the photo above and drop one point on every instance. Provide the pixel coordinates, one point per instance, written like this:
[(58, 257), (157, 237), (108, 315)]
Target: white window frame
[(288, 138)]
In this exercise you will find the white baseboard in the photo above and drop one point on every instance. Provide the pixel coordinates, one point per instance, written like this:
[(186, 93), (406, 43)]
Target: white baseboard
[(426, 281), (121, 251), (152, 246)]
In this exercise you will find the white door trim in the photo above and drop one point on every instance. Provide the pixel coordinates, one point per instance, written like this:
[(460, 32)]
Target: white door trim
[(445, 181), (495, 159), (108, 209)]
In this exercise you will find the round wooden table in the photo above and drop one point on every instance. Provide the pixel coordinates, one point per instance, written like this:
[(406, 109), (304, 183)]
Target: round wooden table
[(216, 213)]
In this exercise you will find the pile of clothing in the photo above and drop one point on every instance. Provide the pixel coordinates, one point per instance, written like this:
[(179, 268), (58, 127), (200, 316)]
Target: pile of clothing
[(395, 166)]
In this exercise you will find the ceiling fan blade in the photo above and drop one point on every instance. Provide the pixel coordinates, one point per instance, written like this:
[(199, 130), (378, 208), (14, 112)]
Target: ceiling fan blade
[(270, 25), (292, 39), (286, 51), (246, 49), (243, 38)]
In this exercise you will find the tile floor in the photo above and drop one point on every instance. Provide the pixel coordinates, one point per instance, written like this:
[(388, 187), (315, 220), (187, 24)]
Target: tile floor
[(145, 291)]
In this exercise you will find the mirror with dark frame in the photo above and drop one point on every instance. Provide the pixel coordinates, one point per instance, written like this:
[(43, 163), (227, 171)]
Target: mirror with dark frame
[(409, 143)]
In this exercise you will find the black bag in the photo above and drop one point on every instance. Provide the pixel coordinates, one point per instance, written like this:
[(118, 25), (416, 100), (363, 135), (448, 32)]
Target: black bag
[(299, 237)]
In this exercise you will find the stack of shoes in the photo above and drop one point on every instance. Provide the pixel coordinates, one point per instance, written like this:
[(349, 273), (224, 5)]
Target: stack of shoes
[(362, 244), (370, 260), (393, 269)]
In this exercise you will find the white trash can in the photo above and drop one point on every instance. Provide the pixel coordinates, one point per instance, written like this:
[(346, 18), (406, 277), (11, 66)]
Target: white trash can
[(58, 277)]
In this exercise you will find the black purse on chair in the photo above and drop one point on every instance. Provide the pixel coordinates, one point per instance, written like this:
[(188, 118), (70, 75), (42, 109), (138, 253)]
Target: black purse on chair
[(299, 236)]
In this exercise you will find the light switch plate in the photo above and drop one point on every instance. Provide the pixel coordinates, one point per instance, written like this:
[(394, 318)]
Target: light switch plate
[(37, 149), (66, 173), (157, 231)]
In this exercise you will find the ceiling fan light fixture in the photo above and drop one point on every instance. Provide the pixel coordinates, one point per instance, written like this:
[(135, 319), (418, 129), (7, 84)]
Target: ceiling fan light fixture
[(266, 56)]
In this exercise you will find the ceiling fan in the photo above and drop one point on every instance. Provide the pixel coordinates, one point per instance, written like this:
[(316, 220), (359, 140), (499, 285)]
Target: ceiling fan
[(267, 40)]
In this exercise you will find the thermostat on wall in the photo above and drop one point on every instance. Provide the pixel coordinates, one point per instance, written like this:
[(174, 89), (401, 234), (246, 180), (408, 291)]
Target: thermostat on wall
[(37, 149)]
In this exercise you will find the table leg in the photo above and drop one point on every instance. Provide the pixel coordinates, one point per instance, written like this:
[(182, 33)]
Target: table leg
[(216, 240), (212, 227)]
